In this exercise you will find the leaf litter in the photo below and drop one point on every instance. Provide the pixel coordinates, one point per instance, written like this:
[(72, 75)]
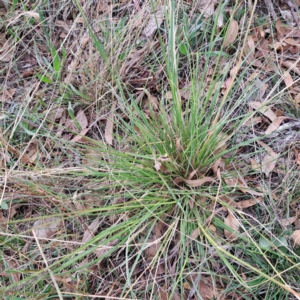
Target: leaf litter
[(259, 47)]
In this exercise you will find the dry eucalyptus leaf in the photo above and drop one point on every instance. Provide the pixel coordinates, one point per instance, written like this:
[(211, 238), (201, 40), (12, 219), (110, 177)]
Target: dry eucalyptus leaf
[(102, 250), (254, 164), (263, 109), (46, 228), (109, 128), (275, 124), (193, 183), (295, 236), (206, 287), (284, 31), (270, 159), (154, 22), (7, 94), (56, 113), (154, 241), (82, 119), (253, 121), (31, 14), (268, 164), (248, 203), (232, 222), (206, 7), (288, 80), (6, 57), (232, 33), (289, 221), (290, 65), (13, 265), (89, 233), (297, 99), (241, 184)]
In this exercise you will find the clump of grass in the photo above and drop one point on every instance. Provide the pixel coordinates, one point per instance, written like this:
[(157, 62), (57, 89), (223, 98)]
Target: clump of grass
[(158, 229)]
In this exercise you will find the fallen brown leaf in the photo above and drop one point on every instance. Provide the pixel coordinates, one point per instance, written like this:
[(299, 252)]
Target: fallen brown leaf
[(31, 14), (254, 164), (270, 159), (232, 33), (13, 266), (206, 287), (110, 125), (289, 221), (263, 109), (89, 233), (232, 222), (46, 228), (284, 31), (154, 241), (248, 203), (288, 80), (193, 183), (291, 65), (154, 22), (295, 236), (275, 124), (82, 119), (7, 94), (241, 184), (206, 7)]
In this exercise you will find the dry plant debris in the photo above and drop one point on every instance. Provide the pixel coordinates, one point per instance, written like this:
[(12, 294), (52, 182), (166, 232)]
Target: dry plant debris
[(95, 202)]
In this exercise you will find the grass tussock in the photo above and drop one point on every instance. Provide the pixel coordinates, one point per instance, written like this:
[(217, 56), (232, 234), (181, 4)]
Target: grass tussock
[(149, 150)]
